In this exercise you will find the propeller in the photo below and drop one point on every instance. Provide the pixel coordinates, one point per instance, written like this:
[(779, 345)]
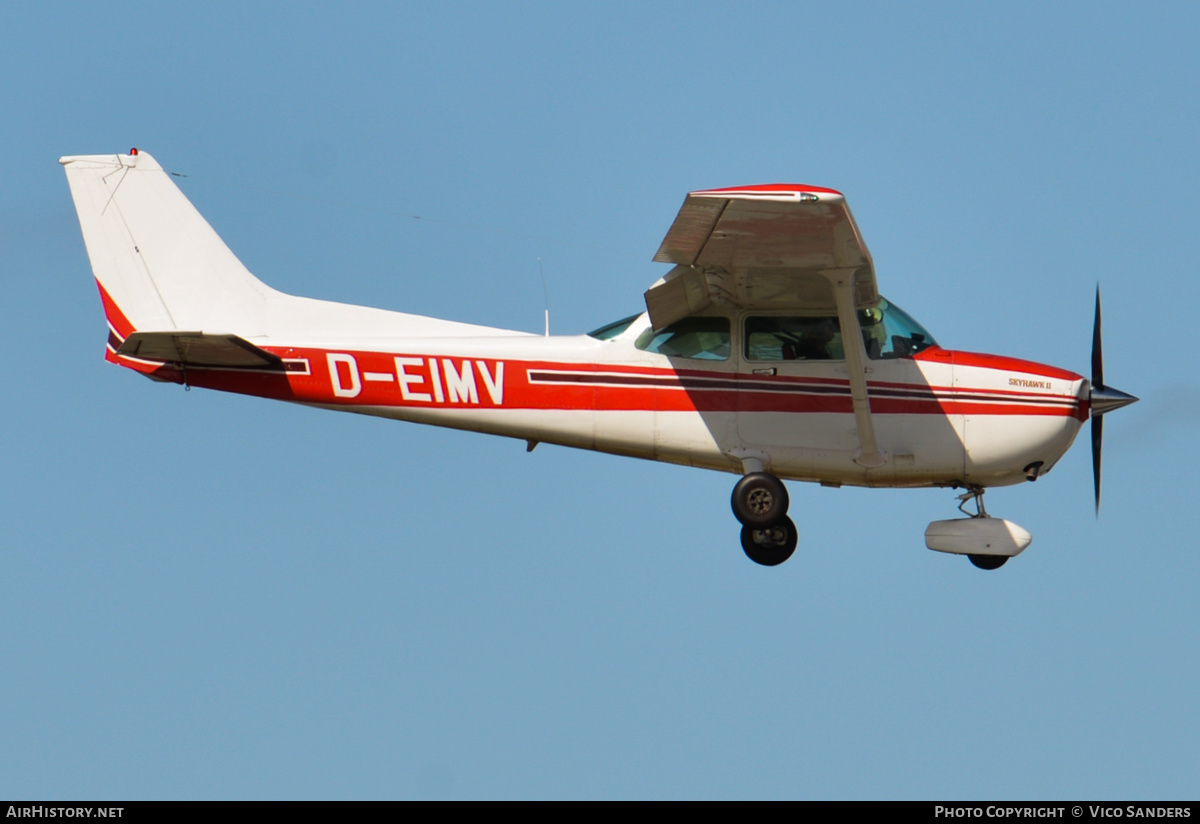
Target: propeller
[(1103, 399)]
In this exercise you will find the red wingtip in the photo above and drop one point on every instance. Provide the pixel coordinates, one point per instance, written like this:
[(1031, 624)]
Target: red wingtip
[(770, 188)]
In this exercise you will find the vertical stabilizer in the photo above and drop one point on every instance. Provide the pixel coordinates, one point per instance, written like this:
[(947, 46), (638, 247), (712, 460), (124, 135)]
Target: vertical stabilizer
[(159, 264)]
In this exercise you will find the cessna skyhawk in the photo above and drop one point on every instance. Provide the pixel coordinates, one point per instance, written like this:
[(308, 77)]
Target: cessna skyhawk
[(766, 351)]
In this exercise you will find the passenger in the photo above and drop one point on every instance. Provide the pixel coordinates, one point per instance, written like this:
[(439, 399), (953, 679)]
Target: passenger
[(813, 342)]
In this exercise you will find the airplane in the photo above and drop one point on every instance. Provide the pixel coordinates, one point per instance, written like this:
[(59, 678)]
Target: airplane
[(766, 351)]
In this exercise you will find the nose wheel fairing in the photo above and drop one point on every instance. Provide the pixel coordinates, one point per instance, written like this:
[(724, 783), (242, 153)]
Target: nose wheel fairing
[(988, 542)]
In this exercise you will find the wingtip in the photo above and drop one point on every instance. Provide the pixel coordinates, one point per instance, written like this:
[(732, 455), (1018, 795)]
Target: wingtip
[(772, 191)]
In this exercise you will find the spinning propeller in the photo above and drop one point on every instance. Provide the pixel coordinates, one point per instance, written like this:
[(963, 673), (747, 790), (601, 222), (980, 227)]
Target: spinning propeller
[(1103, 399)]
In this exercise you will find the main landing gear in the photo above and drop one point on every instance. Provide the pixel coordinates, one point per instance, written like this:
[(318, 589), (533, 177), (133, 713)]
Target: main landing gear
[(760, 502)]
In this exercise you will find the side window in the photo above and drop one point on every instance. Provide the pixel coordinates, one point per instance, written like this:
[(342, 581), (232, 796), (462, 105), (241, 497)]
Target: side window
[(701, 338), (797, 338), (614, 329)]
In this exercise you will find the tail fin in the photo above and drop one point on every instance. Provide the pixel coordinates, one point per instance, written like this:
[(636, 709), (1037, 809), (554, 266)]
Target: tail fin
[(160, 266), (162, 269)]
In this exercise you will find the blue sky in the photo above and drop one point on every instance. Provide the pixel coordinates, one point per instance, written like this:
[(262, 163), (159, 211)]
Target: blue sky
[(210, 596)]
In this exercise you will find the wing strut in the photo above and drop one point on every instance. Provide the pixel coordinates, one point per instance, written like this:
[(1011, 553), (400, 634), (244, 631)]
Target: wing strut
[(869, 455)]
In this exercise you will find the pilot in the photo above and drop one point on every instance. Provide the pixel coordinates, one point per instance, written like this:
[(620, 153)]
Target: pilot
[(812, 343), (874, 331)]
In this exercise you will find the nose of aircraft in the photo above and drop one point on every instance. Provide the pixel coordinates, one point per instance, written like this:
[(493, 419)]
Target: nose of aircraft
[(1103, 399)]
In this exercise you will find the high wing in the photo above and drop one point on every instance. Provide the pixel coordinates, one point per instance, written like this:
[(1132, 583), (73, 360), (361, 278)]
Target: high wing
[(778, 246)]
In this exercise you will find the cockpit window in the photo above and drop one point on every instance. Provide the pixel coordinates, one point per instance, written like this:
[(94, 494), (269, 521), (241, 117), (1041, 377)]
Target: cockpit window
[(614, 329), (793, 338), (701, 338), (888, 332)]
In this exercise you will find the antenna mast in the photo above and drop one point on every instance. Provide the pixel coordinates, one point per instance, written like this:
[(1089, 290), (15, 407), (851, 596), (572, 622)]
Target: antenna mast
[(545, 294)]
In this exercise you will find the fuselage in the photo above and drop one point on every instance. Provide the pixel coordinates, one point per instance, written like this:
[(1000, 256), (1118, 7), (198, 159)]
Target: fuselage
[(766, 351), (745, 368), (942, 417)]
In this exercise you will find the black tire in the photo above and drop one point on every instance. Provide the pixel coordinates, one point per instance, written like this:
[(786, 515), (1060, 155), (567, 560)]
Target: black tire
[(988, 561), (770, 546), (759, 500)]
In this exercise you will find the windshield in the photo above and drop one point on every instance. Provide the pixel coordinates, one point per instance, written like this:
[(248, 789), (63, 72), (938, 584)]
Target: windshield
[(889, 332)]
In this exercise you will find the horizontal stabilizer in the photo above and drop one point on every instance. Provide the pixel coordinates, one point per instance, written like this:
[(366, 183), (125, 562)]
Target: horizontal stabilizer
[(199, 349)]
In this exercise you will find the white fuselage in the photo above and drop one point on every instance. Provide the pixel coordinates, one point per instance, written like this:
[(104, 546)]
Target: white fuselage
[(746, 369), (941, 417)]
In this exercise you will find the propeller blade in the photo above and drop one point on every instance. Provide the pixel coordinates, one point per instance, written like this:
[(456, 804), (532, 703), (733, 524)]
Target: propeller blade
[(1102, 399), (1097, 347), (1097, 383), (1097, 438)]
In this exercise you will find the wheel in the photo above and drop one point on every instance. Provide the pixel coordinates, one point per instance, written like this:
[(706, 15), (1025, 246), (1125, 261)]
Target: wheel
[(988, 561), (760, 500), (770, 546)]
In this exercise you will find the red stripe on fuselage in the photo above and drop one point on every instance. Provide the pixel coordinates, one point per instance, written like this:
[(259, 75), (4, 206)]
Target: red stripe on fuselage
[(999, 363), (611, 387)]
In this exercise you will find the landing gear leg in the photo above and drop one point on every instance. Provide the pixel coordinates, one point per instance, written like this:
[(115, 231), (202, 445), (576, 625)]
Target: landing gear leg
[(976, 493)]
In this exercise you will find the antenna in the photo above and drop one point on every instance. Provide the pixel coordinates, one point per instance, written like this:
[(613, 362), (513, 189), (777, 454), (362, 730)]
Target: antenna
[(545, 294)]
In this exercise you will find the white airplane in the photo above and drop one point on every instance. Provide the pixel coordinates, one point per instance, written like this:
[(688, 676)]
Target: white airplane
[(767, 351)]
